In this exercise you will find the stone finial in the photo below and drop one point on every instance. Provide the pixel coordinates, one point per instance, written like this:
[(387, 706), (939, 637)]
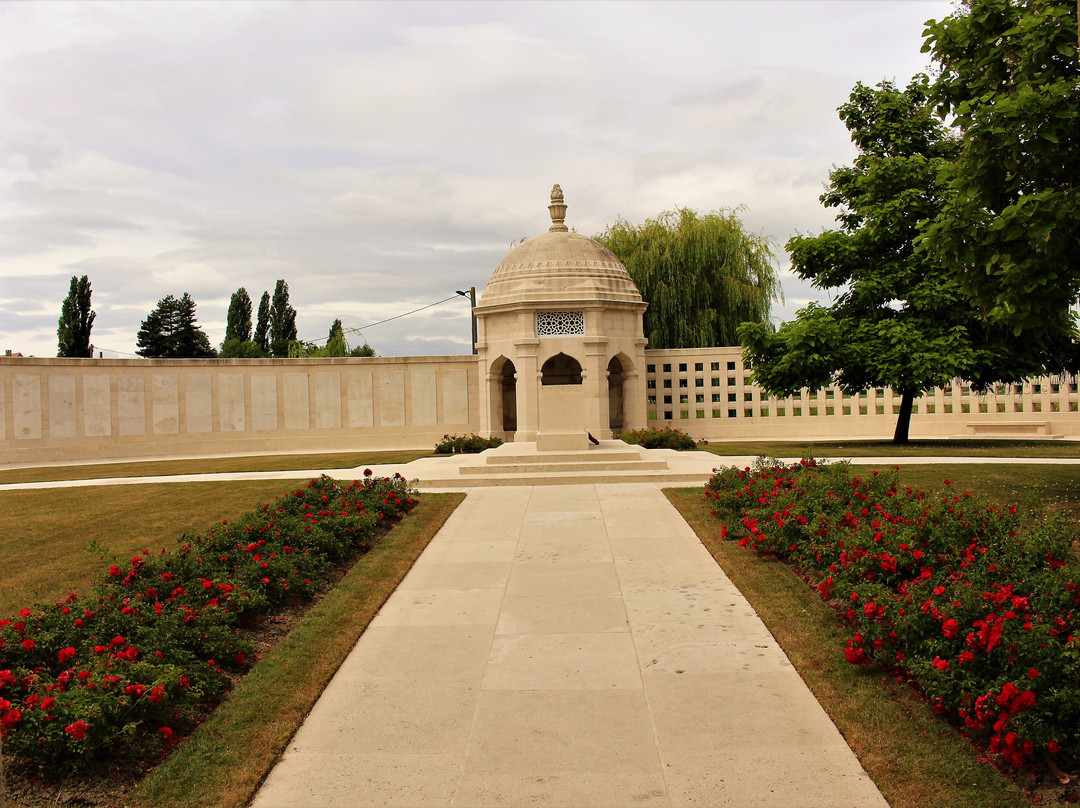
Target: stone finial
[(558, 211)]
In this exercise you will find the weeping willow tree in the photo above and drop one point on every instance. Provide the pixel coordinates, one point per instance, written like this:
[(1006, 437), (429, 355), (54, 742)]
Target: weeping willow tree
[(701, 275)]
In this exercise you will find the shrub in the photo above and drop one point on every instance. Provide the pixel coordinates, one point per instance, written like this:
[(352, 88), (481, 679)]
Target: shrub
[(126, 673), (976, 603), (666, 438), (465, 444)]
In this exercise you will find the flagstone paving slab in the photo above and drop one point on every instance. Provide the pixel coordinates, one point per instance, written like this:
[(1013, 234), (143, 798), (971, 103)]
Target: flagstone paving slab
[(458, 653), (562, 614), (563, 789), (567, 646), (532, 578)]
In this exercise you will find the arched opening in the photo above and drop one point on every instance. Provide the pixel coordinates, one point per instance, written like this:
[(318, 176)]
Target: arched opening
[(506, 408), (560, 369), (616, 418)]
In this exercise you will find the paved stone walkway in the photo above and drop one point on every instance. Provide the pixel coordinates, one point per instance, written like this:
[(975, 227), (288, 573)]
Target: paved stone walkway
[(567, 646)]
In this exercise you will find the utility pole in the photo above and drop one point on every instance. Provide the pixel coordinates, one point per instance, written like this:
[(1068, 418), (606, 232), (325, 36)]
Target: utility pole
[(471, 295)]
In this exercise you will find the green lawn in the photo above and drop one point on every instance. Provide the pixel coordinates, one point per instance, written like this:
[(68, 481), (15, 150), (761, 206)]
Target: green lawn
[(884, 448), (913, 757), (211, 465), (43, 538)]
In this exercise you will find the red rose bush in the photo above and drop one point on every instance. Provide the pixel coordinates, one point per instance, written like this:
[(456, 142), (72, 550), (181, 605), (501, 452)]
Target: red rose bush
[(125, 672), (978, 604)]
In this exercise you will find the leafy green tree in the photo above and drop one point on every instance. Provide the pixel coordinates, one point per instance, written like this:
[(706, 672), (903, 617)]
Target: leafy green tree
[(901, 319), (76, 320), (282, 320), (1010, 79), (240, 349), (335, 340), (336, 345), (171, 331), (262, 326), (238, 322), (700, 275), (238, 343)]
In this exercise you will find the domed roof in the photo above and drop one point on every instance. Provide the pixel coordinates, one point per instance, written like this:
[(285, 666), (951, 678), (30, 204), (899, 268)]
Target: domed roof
[(557, 267)]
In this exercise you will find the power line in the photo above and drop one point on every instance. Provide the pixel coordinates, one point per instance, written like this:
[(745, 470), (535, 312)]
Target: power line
[(395, 317), (406, 314), (370, 325)]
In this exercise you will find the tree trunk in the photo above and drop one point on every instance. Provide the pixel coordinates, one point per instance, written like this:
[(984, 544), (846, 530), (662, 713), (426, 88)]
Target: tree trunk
[(903, 421)]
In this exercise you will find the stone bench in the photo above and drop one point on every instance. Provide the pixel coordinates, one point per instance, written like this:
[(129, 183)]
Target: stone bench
[(1011, 429)]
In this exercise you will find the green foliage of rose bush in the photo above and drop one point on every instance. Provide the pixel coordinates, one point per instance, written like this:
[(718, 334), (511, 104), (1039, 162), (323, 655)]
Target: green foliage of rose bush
[(465, 444), (127, 671), (667, 438), (976, 603)]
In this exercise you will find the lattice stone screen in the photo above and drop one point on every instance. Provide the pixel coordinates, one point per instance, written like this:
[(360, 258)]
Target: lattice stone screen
[(698, 389), (560, 323)]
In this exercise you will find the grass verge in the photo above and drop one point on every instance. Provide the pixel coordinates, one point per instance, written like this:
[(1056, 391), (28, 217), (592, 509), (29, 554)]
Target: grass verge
[(44, 533), (916, 760), (226, 759), (884, 448), (210, 465)]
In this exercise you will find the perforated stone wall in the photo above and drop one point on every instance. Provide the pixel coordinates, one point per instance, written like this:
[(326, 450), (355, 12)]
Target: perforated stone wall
[(560, 323)]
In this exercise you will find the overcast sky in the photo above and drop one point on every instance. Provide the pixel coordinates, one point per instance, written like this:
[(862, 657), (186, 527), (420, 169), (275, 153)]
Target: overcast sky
[(380, 156)]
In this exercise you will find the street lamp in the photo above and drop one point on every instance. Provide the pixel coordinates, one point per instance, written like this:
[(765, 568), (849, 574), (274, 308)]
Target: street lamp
[(471, 294)]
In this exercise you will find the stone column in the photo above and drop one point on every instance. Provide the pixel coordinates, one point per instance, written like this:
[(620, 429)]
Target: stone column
[(528, 382), (635, 410), (594, 380)]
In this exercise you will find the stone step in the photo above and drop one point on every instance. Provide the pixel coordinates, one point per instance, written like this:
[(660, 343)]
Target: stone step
[(688, 479), (595, 455), (538, 464)]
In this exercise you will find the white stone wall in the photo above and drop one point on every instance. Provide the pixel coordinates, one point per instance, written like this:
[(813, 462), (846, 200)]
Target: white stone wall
[(707, 393), (80, 409), (54, 410)]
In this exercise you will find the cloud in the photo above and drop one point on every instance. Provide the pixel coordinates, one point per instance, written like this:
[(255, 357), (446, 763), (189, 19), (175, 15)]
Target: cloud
[(379, 156)]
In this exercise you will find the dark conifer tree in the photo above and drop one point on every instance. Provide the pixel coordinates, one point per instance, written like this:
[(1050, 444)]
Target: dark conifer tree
[(76, 320), (282, 320), (262, 325)]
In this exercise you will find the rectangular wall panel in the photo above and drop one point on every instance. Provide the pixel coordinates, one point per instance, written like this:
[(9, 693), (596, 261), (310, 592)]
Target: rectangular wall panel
[(231, 403), (361, 403), (455, 396), (97, 406), (3, 412), (26, 397), (424, 406), (131, 405), (392, 398), (62, 407), (264, 401), (328, 400), (165, 392), (199, 403), (297, 408)]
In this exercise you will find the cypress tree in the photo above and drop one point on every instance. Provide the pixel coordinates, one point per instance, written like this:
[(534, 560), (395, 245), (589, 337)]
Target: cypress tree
[(262, 325), (238, 324), (76, 320), (282, 320)]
